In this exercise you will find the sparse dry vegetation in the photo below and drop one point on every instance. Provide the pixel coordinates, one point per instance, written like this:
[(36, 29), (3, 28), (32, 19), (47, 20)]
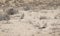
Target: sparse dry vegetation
[(41, 4)]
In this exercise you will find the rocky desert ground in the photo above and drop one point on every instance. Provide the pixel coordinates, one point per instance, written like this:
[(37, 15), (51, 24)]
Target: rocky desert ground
[(29, 17)]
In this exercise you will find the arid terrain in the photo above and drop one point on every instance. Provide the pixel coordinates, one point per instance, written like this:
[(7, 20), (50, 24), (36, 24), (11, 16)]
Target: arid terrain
[(29, 17)]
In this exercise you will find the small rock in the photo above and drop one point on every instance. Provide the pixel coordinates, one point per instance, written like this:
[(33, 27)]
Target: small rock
[(11, 11)]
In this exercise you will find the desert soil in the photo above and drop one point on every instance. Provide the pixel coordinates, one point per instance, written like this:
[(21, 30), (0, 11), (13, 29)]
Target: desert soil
[(29, 17)]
